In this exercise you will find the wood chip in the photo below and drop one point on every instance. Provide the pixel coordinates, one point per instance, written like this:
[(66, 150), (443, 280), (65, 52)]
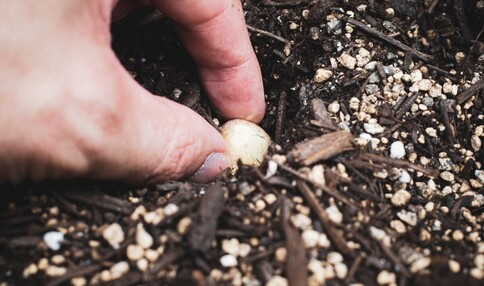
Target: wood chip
[(321, 148), (205, 224)]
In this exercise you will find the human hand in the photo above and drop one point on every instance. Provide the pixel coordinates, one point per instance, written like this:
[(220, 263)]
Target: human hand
[(69, 109)]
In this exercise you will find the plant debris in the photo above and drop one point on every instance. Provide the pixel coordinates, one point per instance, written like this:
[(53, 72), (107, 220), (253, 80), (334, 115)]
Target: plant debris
[(375, 177)]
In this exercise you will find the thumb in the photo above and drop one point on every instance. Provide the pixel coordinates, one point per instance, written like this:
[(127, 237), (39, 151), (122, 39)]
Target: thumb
[(159, 140)]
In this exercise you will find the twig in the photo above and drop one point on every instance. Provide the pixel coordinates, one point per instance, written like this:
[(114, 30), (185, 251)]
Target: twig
[(74, 272), (281, 112), (424, 57), (398, 163), (339, 196), (468, 93), (432, 6), (331, 231), (462, 19), (297, 274), (282, 3), (267, 34)]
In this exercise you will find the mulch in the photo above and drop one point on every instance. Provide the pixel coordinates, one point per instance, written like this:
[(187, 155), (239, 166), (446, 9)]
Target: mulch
[(332, 204)]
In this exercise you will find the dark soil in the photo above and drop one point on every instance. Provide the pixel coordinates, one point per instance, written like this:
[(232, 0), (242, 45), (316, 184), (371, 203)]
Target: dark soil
[(433, 234)]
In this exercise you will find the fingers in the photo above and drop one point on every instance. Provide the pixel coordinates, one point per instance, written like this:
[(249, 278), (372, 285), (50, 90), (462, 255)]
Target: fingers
[(163, 140), (215, 34), (71, 110)]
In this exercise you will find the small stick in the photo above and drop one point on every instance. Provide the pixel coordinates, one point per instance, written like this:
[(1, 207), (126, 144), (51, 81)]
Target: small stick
[(353, 269), (432, 6), (424, 57), (74, 272), (281, 112), (468, 93), (398, 163), (267, 34), (331, 231), (296, 271)]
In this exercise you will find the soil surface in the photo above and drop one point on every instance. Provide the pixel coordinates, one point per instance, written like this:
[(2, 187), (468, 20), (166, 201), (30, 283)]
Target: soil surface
[(375, 176)]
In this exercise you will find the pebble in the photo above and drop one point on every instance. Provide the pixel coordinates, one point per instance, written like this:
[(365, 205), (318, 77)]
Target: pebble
[(143, 238), (479, 175), (397, 150), (447, 88), (310, 238), (408, 217), (314, 32), (373, 128), (477, 273), (260, 205), (280, 254), (385, 277), (43, 263), (301, 221), (30, 270), (170, 209), (447, 176), (228, 260), (231, 246), (333, 107), (244, 249), (151, 254), (479, 261), (53, 239), (334, 257), (347, 61), (416, 75), (432, 132), (389, 26), (405, 177), (324, 241), (398, 226), (424, 85), (114, 235), (333, 26), (454, 266), (271, 168), (142, 264), (134, 252), (183, 225), (153, 217), (317, 175), (420, 264), (334, 214), (140, 210), (476, 143), (401, 198), (119, 269), (58, 259), (341, 270), (458, 235), (270, 198), (322, 75), (363, 57), (78, 281), (54, 271), (277, 281)]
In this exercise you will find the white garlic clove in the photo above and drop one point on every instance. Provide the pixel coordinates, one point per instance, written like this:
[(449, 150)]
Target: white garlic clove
[(246, 142)]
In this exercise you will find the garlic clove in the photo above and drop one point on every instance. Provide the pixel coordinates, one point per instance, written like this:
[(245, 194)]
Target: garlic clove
[(246, 142)]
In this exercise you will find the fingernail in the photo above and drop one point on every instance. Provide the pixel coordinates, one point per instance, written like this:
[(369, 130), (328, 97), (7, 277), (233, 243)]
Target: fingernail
[(215, 164)]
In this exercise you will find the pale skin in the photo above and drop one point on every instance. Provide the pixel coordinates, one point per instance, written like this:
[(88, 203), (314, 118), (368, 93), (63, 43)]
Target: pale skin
[(69, 109)]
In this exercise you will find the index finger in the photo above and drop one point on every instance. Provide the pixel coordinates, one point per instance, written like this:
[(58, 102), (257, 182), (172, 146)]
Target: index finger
[(215, 34)]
